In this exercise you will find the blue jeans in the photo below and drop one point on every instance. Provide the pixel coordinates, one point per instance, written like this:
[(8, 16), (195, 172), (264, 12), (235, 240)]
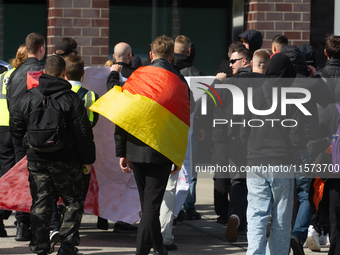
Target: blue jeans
[(304, 216), (269, 195), (191, 198)]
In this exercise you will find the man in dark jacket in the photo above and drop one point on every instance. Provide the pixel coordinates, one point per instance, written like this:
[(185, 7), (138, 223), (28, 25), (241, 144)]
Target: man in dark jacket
[(252, 39), (151, 168), (225, 64), (278, 43), (16, 88), (236, 214), (331, 197), (123, 55), (320, 95), (182, 59), (332, 67), (240, 61), (269, 177), (60, 172)]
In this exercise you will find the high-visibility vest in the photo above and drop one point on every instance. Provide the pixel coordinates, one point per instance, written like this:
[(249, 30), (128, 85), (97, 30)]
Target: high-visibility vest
[(88, 99), (4, 113)]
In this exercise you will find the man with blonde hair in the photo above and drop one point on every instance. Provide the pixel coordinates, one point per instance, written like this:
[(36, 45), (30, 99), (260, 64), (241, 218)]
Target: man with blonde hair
[(184, 56), (182, 45), (260, 61), (151, 167)]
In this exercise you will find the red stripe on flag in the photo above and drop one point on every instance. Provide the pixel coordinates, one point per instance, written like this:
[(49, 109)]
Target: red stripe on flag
[(162, 86)]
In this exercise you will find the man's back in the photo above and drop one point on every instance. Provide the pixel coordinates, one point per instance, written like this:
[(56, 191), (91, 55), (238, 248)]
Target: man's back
[(79, 144), (17, 85)]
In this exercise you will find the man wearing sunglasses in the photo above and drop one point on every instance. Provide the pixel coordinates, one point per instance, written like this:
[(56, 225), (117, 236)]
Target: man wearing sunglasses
[(240, 61)]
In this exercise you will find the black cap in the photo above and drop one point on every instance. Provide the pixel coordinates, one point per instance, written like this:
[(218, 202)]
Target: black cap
[(63, 48)]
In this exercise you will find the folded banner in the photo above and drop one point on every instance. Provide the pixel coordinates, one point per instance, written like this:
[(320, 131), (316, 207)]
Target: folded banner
[(153, 105)]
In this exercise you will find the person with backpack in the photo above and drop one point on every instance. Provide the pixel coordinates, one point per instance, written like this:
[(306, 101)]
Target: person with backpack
[(74, 74), (331, 200), (52, 122)]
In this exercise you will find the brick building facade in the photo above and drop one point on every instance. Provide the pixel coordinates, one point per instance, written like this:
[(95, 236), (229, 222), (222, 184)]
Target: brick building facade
[(86, 21)]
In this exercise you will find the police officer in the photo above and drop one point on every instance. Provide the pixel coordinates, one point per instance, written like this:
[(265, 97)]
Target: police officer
[(7, 156)]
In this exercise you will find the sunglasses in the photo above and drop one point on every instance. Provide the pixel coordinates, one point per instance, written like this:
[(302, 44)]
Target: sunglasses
[(233, 61)]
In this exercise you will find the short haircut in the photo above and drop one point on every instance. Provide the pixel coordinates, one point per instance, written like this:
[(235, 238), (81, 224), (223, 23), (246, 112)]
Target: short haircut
[(332, 46), (74, 68), (244, 53), (263, 56), (33, 42), (55, 65), (163, 47), (234, 46), (184, 44), (70, 41), (280, 41)]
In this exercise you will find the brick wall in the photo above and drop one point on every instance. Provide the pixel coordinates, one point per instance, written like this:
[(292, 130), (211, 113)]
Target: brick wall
[(86, 21), (273, 17)]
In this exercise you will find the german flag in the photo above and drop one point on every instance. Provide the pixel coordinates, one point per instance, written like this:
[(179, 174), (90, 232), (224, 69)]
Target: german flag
[(154, 106)]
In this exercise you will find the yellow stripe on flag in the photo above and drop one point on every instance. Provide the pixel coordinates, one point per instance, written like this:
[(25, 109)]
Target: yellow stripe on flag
[(147, 120)]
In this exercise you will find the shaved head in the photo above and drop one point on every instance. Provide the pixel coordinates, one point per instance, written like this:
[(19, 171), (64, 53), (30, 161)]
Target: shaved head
[(122, 52)]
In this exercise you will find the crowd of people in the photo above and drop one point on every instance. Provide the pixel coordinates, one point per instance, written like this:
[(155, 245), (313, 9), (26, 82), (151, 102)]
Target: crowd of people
[(280, 210)]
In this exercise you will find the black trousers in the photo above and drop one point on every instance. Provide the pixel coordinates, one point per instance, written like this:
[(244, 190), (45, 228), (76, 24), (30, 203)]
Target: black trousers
[(7, 159), (151, 181), (221, 196), (20, 152), (334, 215)]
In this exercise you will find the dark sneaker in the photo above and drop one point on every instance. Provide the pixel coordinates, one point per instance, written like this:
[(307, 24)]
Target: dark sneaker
[(54, 238), (192, 214), (222, 219), (171, 247), (296, 245), (231, 231), (180, 217), (161, 251), (123, 227), (3, 232), (102, 224), (23, 232), (66, 249)]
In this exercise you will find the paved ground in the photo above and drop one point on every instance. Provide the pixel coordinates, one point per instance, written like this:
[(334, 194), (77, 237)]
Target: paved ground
[(198, 237)]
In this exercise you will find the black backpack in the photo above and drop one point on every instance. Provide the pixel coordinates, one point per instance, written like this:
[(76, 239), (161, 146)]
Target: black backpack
[(46, 129)]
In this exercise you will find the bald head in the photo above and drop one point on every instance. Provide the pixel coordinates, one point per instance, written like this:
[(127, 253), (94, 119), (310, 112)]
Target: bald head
[(122, 52)]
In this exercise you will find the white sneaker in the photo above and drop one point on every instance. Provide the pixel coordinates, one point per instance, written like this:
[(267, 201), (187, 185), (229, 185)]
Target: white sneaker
[(305, 245), (54, 238), (324, 239), (313, 239)]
